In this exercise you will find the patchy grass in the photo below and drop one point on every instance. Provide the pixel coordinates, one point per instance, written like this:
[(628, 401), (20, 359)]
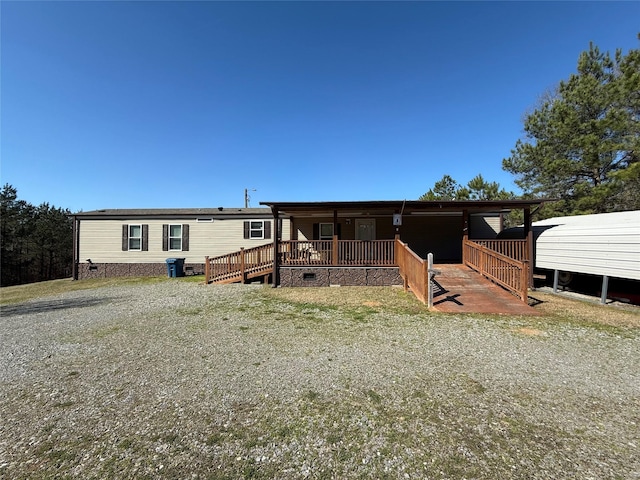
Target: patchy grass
[(31, 291), (360, 300), (358, 303), (558, 308)]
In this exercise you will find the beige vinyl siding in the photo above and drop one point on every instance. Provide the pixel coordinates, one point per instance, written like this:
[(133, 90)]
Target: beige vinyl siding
[(484, 226), (101, 240)]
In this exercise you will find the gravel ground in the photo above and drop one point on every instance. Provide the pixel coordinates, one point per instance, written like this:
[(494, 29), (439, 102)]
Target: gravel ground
[(180, 380)]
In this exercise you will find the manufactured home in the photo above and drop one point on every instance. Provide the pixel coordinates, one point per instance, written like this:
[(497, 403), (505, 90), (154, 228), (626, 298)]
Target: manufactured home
[(138, 242), (308, 243)]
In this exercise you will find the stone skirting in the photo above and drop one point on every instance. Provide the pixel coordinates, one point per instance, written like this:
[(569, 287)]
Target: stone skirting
[(105, 270), (326, 276)]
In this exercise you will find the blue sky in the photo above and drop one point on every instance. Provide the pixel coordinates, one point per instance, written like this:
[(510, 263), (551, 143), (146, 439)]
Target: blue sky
[(186, 104)]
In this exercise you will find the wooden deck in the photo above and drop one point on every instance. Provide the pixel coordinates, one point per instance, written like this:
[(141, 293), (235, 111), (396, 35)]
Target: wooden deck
[(462, 288), (459, 289)]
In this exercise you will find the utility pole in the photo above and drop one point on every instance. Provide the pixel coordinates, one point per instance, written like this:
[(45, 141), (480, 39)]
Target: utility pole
[(247, 197)]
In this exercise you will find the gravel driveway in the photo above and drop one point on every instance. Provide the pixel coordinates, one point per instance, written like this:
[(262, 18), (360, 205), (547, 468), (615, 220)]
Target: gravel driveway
[(180, 380)]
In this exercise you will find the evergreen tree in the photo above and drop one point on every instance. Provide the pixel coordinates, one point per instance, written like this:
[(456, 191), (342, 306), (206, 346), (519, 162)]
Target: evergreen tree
[(582, 143), (36, 242), (476, 189)]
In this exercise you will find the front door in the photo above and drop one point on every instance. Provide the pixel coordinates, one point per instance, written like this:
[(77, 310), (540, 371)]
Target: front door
[(365, 228)]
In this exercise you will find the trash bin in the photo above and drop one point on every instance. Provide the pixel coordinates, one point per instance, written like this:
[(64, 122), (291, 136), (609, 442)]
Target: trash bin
[(175, 267)]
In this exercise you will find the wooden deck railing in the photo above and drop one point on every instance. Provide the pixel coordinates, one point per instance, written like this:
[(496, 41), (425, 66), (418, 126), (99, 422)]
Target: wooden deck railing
[(340, 253), (252, 262), (516, 249), (414, 271), (501, 269), (239, 266)]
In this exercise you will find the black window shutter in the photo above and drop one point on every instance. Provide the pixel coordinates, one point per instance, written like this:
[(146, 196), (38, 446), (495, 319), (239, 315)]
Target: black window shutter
[(185, 237), (279, 229), (337, 232), (165, 237), (125, 237), (246, 229), (267, 229), (316, 231), (145, 238)]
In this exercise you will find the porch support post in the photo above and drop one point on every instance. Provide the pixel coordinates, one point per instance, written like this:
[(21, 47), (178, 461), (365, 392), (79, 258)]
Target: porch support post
[(76, 247), (276, 256), (334, 243), (465, 232), (528, 234)]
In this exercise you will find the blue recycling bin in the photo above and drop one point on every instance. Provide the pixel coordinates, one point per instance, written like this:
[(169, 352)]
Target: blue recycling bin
[(175, 267)]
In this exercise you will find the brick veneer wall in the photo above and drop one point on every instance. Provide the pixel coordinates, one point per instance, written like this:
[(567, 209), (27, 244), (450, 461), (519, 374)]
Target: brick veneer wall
[(105, 270), (325, 276)]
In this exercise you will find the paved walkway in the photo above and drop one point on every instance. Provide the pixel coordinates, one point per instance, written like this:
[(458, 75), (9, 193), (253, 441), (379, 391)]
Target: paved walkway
[(459, 289)]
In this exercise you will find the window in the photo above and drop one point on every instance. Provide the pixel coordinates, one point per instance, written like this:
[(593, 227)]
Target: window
[(135, 238), (326, 231), (175, 237), (257, 229)]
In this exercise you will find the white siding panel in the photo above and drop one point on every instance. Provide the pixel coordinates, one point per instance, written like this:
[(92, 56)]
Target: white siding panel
[(594, 244)]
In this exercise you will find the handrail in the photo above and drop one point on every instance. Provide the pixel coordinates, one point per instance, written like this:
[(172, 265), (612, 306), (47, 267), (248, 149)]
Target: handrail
[(505, 271), (413, 270), (239, 264), (515, 249)]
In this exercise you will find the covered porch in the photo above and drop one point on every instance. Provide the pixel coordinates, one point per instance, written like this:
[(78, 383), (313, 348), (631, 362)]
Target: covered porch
[(386, 243)]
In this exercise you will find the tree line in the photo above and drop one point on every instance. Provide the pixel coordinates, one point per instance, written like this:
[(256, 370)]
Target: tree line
[(36, 241)]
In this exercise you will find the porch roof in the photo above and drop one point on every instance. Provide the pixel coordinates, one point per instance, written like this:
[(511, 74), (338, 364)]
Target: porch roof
[(387, 207)]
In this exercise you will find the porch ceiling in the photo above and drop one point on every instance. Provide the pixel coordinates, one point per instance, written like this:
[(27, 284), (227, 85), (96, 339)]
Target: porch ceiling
[(407, 207)]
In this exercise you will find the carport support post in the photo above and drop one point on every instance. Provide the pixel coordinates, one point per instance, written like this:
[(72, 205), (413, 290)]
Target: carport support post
[(556, 274), (605, 288)]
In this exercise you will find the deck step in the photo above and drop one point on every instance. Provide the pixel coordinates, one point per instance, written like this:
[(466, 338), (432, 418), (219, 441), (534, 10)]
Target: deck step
[(238, 277)]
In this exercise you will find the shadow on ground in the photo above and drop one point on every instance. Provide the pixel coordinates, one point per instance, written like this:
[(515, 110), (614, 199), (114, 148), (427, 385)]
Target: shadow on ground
[(43, 306)]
